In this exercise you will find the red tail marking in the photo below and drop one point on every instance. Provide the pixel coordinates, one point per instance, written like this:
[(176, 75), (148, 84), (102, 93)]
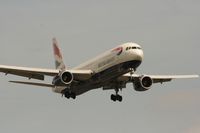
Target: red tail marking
[(56, 49)]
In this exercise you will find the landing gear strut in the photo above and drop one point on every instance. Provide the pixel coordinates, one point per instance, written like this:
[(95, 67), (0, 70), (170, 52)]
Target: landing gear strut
[(116, 97)]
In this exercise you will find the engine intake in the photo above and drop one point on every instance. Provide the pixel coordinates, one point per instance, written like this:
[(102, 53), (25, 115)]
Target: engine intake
[(67, 77), (144, 83)]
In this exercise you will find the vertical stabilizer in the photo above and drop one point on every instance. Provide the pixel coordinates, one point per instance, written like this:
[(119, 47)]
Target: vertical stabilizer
[(58, 56)]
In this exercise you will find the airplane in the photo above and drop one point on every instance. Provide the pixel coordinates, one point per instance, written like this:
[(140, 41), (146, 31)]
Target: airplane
[(111, 70)]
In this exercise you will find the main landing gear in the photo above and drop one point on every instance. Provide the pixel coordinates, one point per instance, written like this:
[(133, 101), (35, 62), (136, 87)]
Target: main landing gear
[(116, 97), (69, 95)]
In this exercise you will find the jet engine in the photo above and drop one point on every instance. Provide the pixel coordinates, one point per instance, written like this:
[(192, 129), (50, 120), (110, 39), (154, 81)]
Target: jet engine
[(144, 83), (66, 77)]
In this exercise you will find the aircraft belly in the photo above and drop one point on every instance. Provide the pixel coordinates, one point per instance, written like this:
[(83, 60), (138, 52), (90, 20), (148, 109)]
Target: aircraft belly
[(104, 77), (78, 90)]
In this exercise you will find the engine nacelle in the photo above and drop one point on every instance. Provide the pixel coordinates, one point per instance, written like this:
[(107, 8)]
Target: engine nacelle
[(66, 77), (144, 83)]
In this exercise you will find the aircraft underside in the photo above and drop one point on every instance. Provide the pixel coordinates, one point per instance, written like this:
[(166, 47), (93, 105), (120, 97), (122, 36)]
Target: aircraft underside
[(103, 79)]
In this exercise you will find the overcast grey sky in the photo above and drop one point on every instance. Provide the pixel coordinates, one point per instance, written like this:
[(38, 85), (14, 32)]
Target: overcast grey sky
[(168, 31)]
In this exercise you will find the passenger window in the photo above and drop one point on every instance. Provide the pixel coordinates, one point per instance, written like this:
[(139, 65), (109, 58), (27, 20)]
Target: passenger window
[(126, 48), (133, 47)]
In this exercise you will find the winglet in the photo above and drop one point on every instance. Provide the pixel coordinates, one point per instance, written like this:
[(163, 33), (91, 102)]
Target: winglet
[(58, 56)]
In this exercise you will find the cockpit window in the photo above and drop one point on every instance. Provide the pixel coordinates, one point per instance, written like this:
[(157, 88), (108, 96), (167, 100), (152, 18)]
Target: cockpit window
[(128, 48)]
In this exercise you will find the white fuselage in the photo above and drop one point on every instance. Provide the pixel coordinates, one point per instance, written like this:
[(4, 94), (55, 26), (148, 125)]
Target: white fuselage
[(108, 66), (110, 58)]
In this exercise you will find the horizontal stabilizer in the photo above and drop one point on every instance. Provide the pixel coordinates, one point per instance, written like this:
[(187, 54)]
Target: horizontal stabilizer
[(33, 83)]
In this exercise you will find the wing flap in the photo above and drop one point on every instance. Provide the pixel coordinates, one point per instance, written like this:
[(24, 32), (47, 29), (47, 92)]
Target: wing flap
[(33, 83), (167, 78), (28, 75)]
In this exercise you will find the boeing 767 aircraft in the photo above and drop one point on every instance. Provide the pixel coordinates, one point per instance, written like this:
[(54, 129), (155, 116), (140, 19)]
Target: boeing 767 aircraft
[(110, 70)]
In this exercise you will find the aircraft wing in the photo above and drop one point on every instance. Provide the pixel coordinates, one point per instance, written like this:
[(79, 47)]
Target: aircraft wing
[(38, 73), (33, 83), (167, 78), (156, 78)]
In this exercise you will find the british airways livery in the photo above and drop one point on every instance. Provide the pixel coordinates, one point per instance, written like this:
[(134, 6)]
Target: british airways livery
[(110, 70)]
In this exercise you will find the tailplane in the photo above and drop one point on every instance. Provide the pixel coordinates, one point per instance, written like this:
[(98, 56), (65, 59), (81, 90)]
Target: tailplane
[(58, 56)]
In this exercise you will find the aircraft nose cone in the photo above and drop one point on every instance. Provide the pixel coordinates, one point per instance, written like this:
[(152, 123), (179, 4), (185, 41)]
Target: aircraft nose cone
[(140, 55)]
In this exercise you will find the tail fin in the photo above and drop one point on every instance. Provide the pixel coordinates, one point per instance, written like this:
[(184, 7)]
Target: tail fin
[(58, 56)]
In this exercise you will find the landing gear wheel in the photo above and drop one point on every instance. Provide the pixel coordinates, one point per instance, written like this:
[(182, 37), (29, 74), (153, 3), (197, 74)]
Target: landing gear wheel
[(119, 98), (67, 95), (70, 95), (73, 95), (113, 97), (116, 98)]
